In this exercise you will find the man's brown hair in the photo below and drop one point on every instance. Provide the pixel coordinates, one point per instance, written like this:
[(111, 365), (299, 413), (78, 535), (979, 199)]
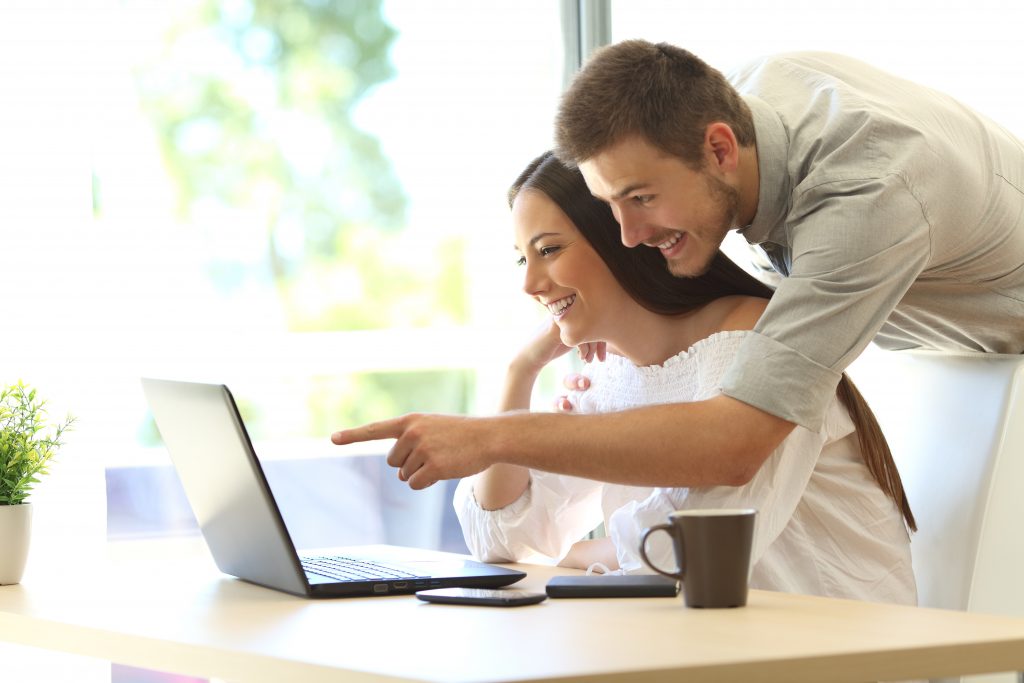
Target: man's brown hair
[(661, 92)]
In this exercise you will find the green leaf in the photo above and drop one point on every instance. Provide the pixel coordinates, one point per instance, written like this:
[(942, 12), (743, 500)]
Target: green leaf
[(27, 443)]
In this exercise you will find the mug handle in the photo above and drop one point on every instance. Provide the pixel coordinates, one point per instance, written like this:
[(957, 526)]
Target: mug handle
[(667, 528)]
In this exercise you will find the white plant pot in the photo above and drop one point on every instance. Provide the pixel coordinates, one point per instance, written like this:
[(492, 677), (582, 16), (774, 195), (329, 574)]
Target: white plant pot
[(15, 533)]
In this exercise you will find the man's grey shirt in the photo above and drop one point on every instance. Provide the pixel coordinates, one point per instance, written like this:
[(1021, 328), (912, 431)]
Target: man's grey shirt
[(894, 212)]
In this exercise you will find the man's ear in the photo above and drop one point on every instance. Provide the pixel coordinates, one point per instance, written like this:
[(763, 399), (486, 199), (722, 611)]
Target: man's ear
[(721, 148)]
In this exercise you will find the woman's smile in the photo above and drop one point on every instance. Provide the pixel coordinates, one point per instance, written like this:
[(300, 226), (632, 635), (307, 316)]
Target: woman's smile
[(560, 306)]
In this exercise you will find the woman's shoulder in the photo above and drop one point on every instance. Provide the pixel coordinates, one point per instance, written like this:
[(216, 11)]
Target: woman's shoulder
[(730, 313)]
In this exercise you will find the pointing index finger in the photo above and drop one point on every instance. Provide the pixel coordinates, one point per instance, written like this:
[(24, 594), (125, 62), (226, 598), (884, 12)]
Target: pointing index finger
[(385, 429)]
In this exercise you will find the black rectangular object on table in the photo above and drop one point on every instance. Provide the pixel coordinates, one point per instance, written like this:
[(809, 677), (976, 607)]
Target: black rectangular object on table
[(612, 586)]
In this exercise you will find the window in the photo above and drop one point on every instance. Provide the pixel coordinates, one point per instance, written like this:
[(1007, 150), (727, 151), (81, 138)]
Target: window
[(301, 199)]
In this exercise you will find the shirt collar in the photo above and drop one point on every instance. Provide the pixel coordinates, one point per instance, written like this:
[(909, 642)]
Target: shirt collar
[(772, 157)]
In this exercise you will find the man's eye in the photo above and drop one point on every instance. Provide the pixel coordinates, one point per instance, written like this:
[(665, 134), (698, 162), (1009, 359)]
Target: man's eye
[(643, 198)]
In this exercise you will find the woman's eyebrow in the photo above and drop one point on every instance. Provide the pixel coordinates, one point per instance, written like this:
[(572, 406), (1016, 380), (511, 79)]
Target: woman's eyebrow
[(539, 236), (536, 238)]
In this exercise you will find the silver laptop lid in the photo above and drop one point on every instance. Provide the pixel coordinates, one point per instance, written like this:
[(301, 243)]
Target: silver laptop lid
[(224, 483)]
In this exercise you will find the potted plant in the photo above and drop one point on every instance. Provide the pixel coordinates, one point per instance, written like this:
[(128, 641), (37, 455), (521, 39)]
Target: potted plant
[(27, 447)]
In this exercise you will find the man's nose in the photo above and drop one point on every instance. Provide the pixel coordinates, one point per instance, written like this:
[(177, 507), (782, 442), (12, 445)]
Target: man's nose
[(632, 229)]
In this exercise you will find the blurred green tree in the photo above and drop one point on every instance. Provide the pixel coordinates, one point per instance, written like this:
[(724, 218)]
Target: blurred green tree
[(253, 102)]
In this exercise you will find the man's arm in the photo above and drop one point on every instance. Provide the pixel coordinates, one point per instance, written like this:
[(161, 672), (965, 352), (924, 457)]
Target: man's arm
[(857, 247), (720, 441)]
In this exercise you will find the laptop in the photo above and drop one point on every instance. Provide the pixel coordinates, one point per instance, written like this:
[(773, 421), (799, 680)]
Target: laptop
[(242, 524)]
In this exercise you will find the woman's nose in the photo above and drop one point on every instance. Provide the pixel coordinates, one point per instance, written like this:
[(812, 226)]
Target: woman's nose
[(534, 280)]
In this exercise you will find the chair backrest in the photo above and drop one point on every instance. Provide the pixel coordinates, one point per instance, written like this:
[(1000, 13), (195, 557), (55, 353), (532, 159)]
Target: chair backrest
[(955, 423)]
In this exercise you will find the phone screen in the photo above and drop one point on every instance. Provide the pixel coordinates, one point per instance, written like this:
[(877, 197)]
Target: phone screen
[(492, 597)]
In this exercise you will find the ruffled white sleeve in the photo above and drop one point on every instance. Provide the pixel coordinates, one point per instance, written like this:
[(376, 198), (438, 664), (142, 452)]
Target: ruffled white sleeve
[(553, 513), (774, 491)]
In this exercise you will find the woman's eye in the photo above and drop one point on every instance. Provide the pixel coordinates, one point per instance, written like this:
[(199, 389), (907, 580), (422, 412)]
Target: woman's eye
[(544, 251), (521, 261)]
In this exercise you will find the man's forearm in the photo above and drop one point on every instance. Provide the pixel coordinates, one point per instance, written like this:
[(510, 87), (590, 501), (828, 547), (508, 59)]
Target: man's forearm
[(718, 442)]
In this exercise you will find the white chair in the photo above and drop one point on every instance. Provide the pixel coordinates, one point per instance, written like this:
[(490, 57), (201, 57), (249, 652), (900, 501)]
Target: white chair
[(955, 423)]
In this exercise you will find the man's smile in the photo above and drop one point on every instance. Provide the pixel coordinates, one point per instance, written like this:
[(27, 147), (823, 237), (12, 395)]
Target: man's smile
[(672, 245)]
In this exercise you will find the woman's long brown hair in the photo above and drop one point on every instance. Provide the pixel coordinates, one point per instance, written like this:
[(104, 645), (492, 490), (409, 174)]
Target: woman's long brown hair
[(642, 273)]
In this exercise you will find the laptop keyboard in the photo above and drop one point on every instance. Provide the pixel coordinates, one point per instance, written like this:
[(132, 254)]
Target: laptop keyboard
[(350, 569)]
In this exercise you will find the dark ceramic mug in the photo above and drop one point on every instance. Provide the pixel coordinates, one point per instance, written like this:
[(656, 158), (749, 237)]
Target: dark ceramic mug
[(712, 549)]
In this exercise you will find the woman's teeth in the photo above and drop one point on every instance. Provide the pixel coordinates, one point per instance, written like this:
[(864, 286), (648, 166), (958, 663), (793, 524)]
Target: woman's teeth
[(558, 307)]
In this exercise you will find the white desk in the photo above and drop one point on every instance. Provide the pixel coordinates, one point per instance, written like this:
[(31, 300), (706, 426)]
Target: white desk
[(169, 609)]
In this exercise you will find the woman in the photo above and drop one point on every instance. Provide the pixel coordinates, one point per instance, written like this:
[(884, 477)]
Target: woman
[(832, 515)]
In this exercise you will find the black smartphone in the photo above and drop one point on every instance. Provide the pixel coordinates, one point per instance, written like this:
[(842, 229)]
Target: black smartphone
[(492, 597), (613, 586)]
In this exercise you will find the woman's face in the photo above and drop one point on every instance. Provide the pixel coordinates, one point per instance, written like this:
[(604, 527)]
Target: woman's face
[(564, 273)]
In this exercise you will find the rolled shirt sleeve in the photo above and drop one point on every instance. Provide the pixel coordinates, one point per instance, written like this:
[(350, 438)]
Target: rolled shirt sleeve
[(856, 247)]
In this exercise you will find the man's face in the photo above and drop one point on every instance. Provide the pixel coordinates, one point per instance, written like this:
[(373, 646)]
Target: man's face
[(661, 202)]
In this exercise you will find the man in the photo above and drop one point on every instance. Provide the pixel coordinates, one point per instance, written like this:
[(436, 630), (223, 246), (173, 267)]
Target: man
[(894, 213)]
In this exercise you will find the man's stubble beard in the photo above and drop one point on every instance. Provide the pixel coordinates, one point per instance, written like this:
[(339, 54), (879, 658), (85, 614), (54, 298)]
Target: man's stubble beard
[(727, 203)]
